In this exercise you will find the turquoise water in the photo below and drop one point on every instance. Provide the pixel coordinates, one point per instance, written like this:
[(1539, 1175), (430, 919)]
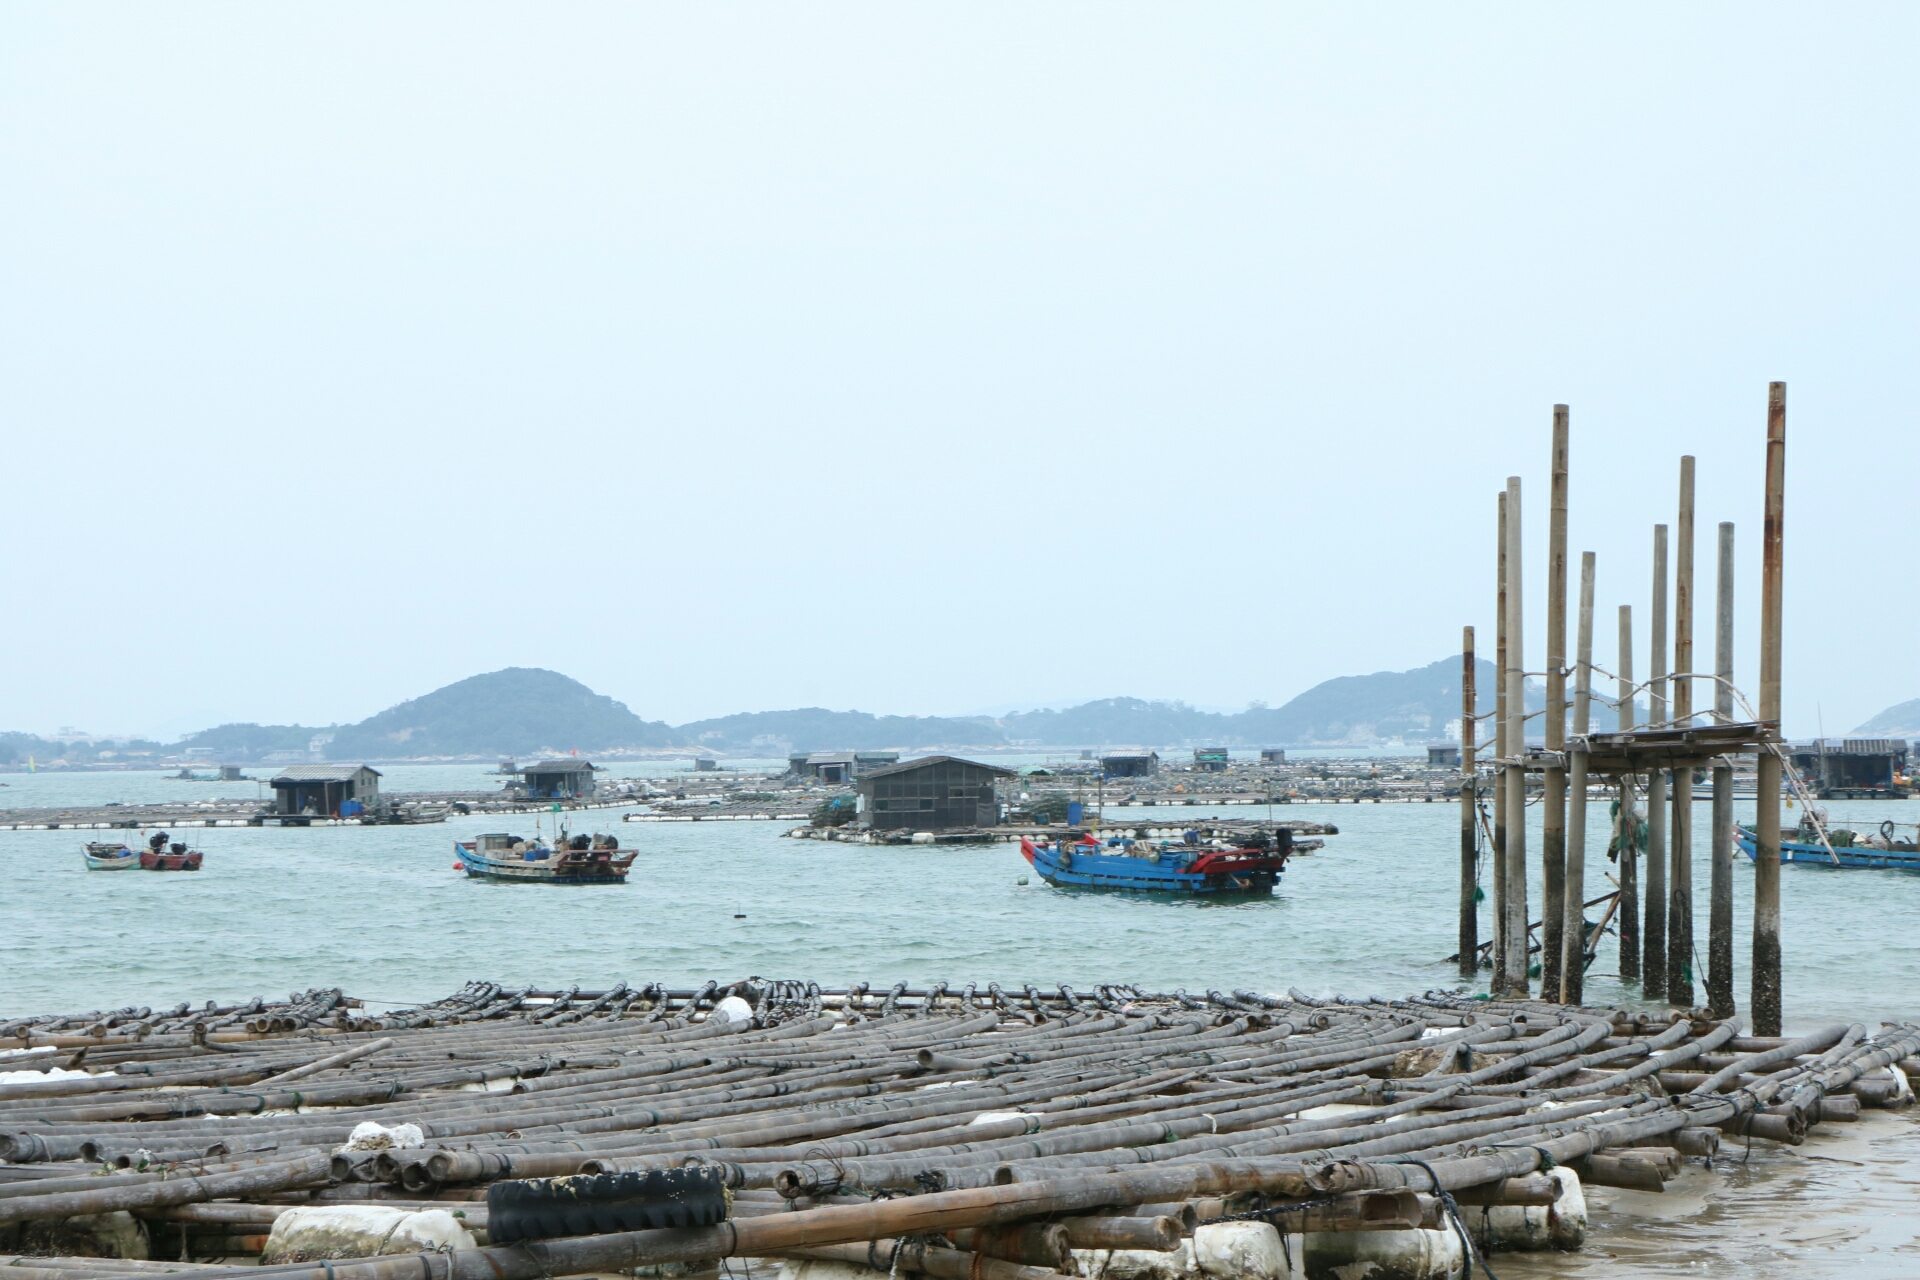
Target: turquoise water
[(380, 912)]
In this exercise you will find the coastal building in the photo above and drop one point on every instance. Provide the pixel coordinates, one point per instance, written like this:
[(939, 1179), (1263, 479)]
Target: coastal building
[(839, 766), (1853, 768), (1444, 755), (568, 779), (1211, 759), (931, 794), (1130, 764), (1273, 755), (326, 790)]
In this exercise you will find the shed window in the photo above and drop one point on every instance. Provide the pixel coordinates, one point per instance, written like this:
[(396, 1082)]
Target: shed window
[(879, 804), (926, 804)]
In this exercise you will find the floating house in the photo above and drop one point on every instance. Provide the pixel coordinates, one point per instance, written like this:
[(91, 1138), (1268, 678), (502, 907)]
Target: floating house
[(1444, 755), (1853, 768), (1273, 755), (932, 794), (1130, 764), (1211, 759), (840, 766), (559, 779), (326, 790)]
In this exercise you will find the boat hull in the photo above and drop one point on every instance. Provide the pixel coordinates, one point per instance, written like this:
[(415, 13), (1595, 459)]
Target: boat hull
[(1851, 858), (1244, 878)]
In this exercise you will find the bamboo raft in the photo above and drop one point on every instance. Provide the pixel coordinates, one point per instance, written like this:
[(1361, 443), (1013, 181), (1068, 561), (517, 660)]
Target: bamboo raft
[(967, 1133)]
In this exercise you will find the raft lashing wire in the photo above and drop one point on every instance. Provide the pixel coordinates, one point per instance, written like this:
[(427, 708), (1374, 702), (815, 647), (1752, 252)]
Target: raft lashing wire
[(879, 1115)]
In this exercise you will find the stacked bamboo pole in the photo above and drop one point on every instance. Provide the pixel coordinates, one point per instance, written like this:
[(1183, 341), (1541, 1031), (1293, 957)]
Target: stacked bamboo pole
[(1004, 1127)]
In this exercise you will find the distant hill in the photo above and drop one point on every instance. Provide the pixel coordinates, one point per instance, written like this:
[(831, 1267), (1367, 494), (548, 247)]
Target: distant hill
[(235, 742), (516, 711), (1901, 721), (1413, 706), (817, 729)]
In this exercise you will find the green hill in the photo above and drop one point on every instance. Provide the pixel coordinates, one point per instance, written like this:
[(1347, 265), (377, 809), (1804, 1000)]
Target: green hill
[(517, 711)]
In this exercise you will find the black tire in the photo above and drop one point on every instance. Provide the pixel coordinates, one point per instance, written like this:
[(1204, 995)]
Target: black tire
[(596, 1204)]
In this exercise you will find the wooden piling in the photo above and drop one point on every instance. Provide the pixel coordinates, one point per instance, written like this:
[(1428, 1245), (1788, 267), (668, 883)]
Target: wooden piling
[(1573, 940), (1653, 938), (1514, 923), (1680, 845), (1497, 984), (1553, 818), (1720, 890), (1629, 913), (1469, 845), (1764, 1003)]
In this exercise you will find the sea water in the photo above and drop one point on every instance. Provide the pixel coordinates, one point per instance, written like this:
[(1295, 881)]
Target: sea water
[(381, 912)]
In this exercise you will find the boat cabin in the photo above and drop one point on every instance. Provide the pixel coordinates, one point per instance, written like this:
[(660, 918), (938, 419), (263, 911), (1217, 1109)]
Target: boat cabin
[(559, 779), (326, 790), (932, 794)]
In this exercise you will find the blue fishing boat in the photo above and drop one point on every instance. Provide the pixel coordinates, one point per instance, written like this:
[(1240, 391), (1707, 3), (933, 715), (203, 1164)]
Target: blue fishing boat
[(1901, 855), (1216, 868), (580, 860)]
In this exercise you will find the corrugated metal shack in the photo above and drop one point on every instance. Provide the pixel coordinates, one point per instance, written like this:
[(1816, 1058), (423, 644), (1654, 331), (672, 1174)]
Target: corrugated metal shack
[(932, 794), (559, 779), (1130, 764), (326, 790), (1854, 768)]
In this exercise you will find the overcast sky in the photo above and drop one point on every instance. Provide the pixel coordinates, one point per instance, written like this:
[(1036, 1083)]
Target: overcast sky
[(927, 358)]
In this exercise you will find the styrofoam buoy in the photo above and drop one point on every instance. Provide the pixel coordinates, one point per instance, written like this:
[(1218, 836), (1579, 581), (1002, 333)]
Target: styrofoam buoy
[(1560, 1225), (1383, 1255), (1239, 1251), (923, 837), (314, 1232), (733, 1009)]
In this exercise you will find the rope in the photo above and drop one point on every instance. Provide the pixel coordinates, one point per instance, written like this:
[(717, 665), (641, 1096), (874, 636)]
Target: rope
[(1453, 1216)]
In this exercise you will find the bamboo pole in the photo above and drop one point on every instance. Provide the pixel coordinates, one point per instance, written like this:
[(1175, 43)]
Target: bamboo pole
[(1553, 804), (1680, 846), (1515, 924), (1469, 843), (334, 1060), (1764, 1003), (1720, 891), (1653, 938), (1498, 982), (1573, 933), (1629, 906)]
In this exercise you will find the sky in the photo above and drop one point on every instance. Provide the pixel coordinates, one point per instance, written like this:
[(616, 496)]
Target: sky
[(923, 359)]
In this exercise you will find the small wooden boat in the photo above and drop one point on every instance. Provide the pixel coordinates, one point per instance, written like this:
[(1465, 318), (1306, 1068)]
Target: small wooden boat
[(1804, 847), (576, 860), (157, 856), (1159, 866)]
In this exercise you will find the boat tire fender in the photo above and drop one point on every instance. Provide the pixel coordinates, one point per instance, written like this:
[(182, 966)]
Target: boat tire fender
[(598, 1204)]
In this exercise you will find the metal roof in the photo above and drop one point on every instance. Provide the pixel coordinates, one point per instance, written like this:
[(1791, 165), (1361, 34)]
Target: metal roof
[(924, 761), (557, 766), (831, 757), (321, 773)]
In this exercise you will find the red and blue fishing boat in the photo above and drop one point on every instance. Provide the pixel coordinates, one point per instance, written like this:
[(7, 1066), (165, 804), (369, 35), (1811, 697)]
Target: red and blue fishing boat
[(159, 855), (1217, 868)]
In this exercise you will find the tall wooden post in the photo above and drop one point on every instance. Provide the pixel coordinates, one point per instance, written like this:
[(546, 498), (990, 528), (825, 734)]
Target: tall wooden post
[(1553, 804), (1515, 924), (1764, 1005), (1720, 891), (1498, 982), (1573, 944), (1469, 880), (1680, 882), (1653, 959), (1629, 913)]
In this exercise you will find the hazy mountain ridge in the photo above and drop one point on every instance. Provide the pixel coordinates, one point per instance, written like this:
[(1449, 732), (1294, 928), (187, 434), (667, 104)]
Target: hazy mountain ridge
[(524, 711), (1902, 720)]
